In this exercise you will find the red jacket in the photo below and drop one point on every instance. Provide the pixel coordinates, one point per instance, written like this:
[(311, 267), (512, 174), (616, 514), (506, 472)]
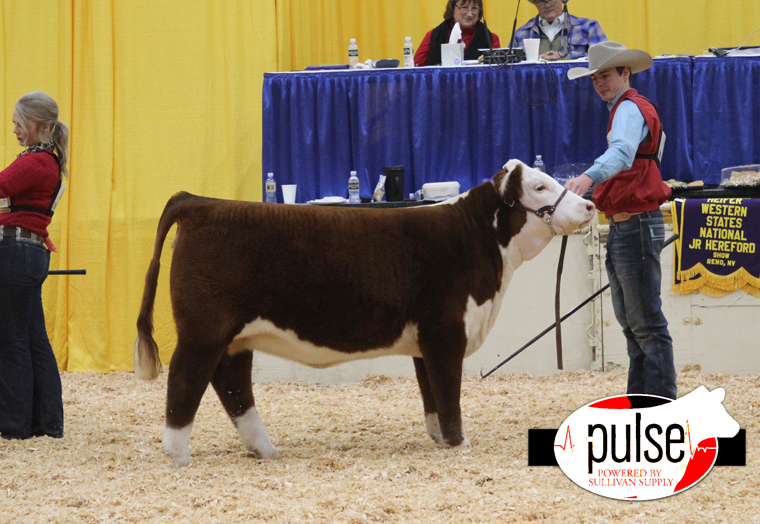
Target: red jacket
[(640, 188), (30, 180), (421, 56)]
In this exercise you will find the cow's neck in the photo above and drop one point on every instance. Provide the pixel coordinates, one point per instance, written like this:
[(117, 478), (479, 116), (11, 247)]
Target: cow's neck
[(523, 235), (532, 238)]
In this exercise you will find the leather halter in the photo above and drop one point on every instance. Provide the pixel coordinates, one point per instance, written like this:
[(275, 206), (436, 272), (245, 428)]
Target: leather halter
[(544, 213)]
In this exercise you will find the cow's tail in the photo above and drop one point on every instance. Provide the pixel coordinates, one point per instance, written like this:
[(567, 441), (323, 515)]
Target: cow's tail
[(147, 363)]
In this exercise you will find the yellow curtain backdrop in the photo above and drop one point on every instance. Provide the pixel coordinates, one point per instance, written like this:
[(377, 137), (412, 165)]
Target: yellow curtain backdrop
[(312, 33), (166, 96), (160, 97), (36, 54)]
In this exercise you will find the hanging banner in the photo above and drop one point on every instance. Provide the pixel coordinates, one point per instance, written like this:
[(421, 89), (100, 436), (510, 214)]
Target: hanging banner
[(717, 249)]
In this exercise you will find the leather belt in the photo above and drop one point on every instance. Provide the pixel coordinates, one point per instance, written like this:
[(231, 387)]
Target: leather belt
[(22, 235), (622, 217)]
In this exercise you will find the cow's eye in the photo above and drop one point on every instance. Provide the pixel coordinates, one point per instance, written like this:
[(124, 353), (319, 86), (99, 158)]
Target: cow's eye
[(540, 187)]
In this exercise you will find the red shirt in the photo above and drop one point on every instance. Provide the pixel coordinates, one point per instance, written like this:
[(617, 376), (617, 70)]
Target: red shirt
[(421, 56), (30, 180)]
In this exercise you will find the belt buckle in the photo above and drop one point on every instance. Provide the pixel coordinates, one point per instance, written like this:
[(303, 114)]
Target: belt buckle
[(32, 238)]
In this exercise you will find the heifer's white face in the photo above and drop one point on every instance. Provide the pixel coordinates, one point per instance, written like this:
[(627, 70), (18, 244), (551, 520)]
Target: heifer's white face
[(539, 190)]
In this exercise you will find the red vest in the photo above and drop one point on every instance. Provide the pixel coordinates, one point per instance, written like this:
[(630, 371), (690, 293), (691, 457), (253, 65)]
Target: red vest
[(640, 188)]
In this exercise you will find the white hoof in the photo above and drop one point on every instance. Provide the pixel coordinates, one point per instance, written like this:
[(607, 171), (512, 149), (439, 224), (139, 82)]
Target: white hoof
[(464, 445), (434, 428), (177, 444), (254, 435), (179, 462)]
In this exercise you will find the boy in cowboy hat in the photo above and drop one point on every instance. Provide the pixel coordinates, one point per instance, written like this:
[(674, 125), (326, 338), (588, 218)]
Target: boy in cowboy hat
[(629, 190)]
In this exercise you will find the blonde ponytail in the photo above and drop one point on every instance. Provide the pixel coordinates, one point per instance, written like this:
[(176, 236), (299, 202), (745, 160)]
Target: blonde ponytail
[(60, 140), (41, 108)]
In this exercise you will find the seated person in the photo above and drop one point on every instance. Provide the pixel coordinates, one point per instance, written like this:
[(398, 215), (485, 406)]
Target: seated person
[(469, 14), (549, 26)]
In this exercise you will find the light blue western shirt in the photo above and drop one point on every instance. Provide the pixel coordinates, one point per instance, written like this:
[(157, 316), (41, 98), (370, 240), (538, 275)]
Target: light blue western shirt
[(628, 130)]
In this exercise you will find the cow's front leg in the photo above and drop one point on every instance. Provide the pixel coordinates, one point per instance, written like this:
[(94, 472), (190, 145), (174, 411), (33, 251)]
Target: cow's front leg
[(232, 383), (443, 347), (428, 402)]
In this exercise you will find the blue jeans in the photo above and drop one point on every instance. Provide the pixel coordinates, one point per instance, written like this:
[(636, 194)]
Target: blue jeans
[(635, 275), (30, 385)]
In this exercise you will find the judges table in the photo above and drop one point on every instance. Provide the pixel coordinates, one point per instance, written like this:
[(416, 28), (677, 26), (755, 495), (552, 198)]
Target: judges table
[(462, 124)]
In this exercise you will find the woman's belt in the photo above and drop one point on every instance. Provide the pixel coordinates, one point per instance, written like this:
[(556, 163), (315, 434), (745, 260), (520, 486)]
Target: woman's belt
[(21, 234)]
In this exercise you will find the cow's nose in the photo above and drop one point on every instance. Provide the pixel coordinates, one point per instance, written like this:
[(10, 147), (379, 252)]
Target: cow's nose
[(590, 207)]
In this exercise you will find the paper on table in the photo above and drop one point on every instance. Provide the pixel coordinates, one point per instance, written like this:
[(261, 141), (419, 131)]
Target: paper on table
[(328, 200)]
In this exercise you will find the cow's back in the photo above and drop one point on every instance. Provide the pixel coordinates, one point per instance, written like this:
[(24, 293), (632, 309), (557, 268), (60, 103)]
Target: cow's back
[(344, 278)]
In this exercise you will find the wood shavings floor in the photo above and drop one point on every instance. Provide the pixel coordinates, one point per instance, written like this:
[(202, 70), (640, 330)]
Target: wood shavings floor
[(354, 453)]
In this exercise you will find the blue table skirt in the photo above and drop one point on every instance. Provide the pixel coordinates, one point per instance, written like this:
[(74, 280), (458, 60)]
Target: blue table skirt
[(463, 124), (726, 113)]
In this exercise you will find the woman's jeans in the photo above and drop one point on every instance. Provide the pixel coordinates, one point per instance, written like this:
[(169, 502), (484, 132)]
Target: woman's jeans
[(30, 385), (635, 275)]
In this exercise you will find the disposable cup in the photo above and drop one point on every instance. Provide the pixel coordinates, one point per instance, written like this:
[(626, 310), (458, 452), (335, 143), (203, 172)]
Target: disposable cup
[(531, 49), (289, 193)]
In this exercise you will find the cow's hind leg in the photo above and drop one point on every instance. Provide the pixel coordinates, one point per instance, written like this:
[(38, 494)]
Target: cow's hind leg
[(232, 382), (443, 347), (428, 402), (190, 372)]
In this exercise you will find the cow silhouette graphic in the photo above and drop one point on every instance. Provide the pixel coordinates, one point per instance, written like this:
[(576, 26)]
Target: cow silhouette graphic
[(643, 447)]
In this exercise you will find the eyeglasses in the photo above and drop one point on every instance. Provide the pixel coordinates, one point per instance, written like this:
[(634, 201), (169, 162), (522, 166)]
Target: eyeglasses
[(464, 9)]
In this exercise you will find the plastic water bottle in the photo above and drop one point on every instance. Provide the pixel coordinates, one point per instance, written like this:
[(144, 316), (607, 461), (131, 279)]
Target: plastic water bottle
[(408, 52), (538, 165), (353, 189), (353, 53), (271, 188)]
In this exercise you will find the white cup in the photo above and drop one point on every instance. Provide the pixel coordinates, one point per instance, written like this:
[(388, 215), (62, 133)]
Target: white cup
[(531, 49), (289, 193)]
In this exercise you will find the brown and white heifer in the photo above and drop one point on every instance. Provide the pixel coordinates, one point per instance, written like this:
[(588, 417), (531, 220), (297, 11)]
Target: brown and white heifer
[(326, 285)]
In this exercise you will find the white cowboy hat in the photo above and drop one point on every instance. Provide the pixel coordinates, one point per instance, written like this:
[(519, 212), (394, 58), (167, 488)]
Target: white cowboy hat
[(611, 54)]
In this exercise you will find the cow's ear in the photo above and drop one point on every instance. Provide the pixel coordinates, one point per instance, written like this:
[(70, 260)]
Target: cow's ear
[(499, 179), (511, 186), (510, 219)]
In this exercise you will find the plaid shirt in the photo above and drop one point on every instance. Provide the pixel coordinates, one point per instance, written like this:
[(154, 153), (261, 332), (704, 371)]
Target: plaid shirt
[(583, 33)]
